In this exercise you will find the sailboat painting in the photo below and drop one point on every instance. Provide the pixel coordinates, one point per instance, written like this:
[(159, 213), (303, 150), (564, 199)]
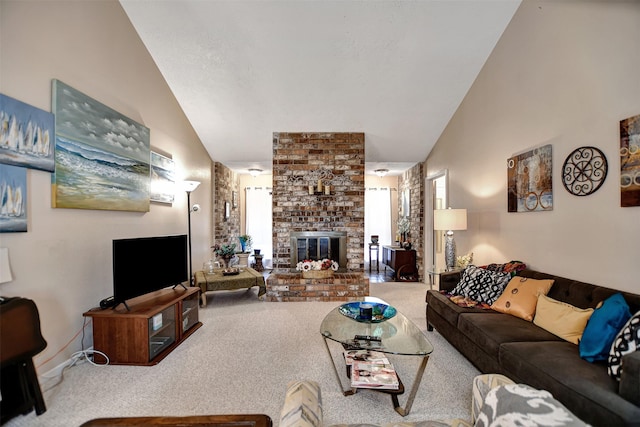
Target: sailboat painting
[(26, 135), (102, 157), (13, 199)]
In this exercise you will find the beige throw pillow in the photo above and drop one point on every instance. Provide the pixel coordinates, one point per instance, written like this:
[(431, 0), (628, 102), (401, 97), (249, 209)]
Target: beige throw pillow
[(561, 319), (520, 297)]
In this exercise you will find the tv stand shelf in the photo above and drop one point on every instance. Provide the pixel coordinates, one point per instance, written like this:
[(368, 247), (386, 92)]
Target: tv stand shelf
[(154, 325)]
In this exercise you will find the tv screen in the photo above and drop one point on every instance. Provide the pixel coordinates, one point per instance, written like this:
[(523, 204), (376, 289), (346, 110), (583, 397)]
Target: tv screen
[(147, 264)]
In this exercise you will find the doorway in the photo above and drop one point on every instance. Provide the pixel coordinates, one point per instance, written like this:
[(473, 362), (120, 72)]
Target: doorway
[(437, 196)]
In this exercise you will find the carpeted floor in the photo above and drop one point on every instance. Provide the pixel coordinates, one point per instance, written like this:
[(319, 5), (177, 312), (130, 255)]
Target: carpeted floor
[(241, 360)]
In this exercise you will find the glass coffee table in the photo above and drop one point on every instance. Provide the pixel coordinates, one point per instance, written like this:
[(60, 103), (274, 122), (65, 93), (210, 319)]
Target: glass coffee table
[(397, 335)]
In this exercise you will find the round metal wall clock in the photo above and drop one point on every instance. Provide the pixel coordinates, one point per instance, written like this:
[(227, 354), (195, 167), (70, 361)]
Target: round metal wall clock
[(584, 171)]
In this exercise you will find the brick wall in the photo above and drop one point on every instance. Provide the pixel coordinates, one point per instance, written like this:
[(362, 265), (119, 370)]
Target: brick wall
[(299, 160), (413, 180), (226, 230)]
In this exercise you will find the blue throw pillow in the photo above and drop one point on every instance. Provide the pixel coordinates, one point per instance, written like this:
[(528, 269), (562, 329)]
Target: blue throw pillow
[(602, 328)]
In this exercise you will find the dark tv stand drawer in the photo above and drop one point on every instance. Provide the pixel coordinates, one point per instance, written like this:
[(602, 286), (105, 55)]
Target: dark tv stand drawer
[(149, 330)]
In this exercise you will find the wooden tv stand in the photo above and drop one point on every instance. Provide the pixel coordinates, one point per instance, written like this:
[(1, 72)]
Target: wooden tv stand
[(156, 324)]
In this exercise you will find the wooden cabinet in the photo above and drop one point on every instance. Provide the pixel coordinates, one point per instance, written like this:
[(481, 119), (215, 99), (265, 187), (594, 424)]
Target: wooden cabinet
[(145, 334), (400, 260)]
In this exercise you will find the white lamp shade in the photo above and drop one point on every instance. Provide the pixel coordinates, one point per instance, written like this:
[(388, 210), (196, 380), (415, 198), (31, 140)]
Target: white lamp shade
[(5, 268), (189, 186), (450, 219)]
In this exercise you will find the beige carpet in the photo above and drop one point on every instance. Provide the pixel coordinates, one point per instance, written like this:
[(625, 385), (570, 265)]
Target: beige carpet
[(241, 360)]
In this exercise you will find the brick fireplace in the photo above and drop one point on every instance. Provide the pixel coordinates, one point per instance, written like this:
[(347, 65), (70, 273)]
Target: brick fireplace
[(318, 187)]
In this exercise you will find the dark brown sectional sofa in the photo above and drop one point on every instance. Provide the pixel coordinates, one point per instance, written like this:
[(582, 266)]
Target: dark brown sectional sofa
[(500, 343)]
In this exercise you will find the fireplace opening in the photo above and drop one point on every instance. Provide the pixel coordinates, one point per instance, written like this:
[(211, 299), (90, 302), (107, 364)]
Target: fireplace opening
[(317, 245)]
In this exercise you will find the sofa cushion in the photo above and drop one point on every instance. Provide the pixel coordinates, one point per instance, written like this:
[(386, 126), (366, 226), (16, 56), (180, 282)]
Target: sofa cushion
[(561, 319), (488, 330), (481, 285), (441, 304), (521, 297), (602, 328), (520, 405), (584, 388), (627, 341)]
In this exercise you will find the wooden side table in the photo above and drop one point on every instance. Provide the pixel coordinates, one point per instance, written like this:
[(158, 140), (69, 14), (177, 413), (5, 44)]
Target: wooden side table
[(374, 247), (258, 263)]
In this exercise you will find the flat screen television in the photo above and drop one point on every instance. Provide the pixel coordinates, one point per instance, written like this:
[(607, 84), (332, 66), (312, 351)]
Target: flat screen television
[(147, 264)]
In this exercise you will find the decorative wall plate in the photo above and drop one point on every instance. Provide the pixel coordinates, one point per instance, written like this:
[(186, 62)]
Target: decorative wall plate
[(584, 171)]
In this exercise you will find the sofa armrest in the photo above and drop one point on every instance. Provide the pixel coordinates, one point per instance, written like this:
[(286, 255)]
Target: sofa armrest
[(630, 378), (302, 405), (449, 280)]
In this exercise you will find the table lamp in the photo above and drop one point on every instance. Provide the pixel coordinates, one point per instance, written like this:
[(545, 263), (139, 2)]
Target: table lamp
[(448, 220)]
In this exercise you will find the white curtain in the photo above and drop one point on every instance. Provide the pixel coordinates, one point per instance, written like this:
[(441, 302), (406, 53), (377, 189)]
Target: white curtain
[(377, 217), (258, 221)]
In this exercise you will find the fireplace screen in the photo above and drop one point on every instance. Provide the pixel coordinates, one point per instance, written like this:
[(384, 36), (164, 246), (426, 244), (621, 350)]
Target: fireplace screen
[(316, 245)]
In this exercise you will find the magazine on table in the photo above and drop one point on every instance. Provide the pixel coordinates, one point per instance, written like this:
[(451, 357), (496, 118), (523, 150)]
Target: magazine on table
[(364, 356), (374, 375)]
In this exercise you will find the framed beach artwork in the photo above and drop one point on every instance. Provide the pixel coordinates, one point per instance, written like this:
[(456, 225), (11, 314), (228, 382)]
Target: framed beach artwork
[(102, 157), (26, 135), (163, 183), (529, 178), (13, 199), (630, 162)]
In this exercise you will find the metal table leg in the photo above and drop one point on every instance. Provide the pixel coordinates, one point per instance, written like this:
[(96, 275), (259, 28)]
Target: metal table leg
[(347, 392), (412, 394)]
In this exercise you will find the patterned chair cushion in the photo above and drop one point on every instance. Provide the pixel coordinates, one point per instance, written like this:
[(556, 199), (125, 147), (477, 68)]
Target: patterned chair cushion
[(627, 341), (481, 285), (521, 405), (302, 405), (482, 384)]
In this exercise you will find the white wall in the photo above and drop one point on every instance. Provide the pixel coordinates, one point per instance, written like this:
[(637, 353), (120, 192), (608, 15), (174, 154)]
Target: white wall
[(563, 73), (64, 260)]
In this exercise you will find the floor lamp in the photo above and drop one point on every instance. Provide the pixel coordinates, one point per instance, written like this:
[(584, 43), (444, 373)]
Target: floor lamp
[(448, 220), (189, 186)]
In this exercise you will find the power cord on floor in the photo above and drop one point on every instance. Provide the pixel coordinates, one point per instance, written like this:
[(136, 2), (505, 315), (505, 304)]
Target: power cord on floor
[(84, 355)]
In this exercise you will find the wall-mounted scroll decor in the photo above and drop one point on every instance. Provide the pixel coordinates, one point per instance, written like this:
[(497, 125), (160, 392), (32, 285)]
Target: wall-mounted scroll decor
[(529, 181), (584, 171)]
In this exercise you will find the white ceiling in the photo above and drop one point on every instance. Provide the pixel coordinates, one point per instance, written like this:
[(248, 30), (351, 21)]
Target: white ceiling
[(395, 70)]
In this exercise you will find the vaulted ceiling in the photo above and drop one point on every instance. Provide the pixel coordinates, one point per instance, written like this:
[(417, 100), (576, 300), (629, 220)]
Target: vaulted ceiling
[(396, 70)]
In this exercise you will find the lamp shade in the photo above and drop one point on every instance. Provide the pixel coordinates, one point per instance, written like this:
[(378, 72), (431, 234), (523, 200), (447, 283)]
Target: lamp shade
[(450, 219), (189, 186), (5, 268)]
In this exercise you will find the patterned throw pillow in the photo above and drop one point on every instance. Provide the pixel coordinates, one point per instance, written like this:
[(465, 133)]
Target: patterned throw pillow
[(521, 405), (481, 285), (627, 341)]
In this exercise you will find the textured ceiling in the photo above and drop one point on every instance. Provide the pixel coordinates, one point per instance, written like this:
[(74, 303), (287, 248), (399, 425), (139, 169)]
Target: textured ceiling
[(395, 70)]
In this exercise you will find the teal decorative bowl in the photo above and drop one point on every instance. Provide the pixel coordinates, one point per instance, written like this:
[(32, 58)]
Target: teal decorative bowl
[(380, 312)]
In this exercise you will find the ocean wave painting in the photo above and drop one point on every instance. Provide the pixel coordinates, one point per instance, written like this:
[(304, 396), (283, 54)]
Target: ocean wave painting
[(102, 158), (26, 134), (163, 182)]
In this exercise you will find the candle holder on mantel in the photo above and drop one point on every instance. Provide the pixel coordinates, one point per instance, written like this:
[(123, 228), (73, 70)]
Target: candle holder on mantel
[(320, 189)]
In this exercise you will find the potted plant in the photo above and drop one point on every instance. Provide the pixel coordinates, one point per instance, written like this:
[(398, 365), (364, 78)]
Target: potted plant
[(245, 242), (226, 252)]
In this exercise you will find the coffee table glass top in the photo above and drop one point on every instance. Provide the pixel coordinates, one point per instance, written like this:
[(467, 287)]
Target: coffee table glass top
[(397, 335)]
